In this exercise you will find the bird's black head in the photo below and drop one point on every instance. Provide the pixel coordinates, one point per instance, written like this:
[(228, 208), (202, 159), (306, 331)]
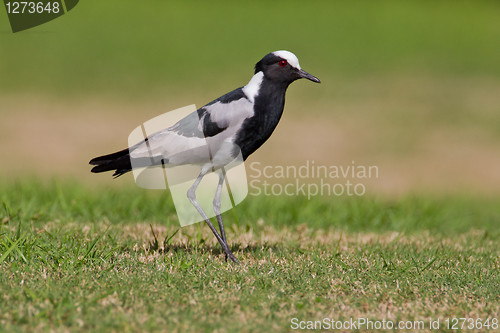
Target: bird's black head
[(282, 67)]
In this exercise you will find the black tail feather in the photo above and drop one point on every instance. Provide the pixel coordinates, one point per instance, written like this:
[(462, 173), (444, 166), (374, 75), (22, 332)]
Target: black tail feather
[(110, 157), (119, 162)]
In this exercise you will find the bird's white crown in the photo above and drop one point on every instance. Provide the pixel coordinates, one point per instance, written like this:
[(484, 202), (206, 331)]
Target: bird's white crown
[(288, 56)]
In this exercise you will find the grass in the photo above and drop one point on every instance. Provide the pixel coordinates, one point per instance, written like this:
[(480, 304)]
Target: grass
[(78, 258)]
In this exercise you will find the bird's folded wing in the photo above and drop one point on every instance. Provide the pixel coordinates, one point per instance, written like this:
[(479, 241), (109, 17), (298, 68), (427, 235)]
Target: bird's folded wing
[(220, 118)]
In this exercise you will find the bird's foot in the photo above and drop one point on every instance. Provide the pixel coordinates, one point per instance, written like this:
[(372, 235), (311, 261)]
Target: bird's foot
[(231, 257)]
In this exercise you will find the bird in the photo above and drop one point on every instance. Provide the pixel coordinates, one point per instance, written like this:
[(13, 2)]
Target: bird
[(237, 123)]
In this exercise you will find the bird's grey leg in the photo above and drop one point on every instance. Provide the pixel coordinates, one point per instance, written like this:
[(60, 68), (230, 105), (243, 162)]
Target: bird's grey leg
[(217, 206), (191, 194)]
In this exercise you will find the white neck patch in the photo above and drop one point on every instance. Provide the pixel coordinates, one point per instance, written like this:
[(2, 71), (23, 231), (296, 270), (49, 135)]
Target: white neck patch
[(251, 90), (288, 56)]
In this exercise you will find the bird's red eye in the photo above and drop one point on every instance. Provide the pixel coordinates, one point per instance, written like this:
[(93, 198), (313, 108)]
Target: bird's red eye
[(283, 63)]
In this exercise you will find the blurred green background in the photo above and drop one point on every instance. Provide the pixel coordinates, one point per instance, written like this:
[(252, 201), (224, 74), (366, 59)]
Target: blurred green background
[(127, 47), (411, 86)]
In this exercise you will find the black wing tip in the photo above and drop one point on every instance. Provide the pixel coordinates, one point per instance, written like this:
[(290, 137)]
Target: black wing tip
[(109, 158), (94, 161), (101, 168), (104, 168), (118, 162), (119, 173)]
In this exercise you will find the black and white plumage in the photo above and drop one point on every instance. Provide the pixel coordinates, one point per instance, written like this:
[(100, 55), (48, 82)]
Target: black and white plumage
[(237, 122)]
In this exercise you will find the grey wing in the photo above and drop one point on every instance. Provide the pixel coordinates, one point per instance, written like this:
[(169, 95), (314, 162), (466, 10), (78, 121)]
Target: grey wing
[(183, 138), (187, 140)]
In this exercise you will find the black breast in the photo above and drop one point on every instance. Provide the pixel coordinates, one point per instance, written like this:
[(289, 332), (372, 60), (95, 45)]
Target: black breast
[(268, 108)]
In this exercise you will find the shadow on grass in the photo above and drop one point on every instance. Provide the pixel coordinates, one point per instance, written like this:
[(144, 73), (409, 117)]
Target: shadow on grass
[(166, 247), (214, 249)]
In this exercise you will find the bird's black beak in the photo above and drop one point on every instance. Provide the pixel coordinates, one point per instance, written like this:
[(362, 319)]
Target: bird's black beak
[(305, 75)]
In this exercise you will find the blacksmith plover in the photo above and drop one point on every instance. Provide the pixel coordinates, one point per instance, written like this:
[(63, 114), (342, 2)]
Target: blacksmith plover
[(237, 123)]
